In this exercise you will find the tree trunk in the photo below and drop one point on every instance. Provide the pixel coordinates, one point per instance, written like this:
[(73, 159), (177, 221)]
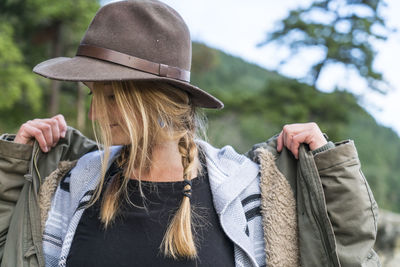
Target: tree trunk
[(54, 106), (81, 114)]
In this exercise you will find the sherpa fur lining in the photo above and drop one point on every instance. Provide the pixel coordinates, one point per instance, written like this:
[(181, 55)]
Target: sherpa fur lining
[(48, 188), (278, 209)]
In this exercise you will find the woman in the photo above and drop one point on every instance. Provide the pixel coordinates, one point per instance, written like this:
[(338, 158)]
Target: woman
[(152, 193)]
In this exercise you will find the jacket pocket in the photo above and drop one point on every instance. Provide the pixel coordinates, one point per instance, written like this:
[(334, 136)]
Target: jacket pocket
[(31, 257), (31, 251)]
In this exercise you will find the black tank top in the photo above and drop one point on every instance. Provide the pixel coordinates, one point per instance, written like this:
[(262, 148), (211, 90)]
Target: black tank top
[(136, 234)]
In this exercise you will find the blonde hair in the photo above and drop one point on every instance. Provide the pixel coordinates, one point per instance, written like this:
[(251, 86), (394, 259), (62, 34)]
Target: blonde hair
[(149, 113)]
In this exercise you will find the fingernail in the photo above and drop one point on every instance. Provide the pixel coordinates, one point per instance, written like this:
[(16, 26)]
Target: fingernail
[(46, 149)]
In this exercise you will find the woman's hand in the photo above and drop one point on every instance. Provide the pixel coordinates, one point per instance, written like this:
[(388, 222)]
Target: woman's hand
[(46, 131), (293, 135)]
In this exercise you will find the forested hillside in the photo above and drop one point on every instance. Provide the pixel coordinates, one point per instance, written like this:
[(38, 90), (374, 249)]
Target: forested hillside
[(258, 103)]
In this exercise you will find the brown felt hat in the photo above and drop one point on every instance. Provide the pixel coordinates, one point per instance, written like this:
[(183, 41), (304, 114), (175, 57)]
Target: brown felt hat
[(142, 40)]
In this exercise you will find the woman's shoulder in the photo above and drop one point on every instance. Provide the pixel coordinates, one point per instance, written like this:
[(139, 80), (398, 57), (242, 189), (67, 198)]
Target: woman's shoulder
[(89, 165), (225, 160), (97, 155), (225, 153)]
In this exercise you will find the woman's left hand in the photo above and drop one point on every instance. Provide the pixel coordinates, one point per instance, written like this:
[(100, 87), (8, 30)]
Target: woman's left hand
[(293, 135)]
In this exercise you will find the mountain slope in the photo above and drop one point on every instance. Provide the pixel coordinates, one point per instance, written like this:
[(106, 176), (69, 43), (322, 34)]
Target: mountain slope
[(258, 103)]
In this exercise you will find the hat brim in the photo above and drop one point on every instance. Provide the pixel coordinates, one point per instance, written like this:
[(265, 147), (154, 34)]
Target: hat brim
[(85, 69)]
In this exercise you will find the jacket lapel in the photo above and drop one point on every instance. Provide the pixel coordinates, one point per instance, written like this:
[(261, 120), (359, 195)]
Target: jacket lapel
[(278, 210), (229, 174)]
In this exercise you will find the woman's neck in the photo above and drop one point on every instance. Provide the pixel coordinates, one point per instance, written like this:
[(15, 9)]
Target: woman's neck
[(166, 164)]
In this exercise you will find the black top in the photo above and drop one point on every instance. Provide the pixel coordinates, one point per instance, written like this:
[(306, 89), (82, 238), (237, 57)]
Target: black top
[(136, 235)]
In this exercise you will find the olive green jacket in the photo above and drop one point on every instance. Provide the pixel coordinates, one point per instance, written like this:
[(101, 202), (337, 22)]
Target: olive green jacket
[(336, 211)]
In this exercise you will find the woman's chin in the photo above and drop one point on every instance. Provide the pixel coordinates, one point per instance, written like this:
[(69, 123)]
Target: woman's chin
[(118, 136), (120, 141)]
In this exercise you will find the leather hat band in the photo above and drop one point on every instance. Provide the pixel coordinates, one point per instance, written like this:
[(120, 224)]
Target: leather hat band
[(133, 62)]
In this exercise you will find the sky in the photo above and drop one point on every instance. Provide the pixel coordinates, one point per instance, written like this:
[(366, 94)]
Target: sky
[(237, 26)]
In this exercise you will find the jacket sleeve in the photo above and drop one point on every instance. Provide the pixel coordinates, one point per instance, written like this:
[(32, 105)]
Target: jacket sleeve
[(351, 206), (14, 163), (70, 148)]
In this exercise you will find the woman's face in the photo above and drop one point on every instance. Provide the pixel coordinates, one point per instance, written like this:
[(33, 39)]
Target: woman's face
[(118, 135)]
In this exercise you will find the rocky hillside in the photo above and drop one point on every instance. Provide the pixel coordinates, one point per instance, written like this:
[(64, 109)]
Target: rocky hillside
[(388, 239)]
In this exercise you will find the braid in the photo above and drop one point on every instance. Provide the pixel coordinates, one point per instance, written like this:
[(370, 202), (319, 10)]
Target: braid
[(110, 202), (178, 240), (188, 151)]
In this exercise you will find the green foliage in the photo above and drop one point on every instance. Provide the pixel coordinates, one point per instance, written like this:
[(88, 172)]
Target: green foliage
[(342, 30), (379, 150), (70, 17), (15, 77), (32, 31)]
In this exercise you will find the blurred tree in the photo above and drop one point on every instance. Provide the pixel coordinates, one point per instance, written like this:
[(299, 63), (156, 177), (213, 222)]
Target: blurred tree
[(342, 30), (15, 76), (203, 58), (45, 29)]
